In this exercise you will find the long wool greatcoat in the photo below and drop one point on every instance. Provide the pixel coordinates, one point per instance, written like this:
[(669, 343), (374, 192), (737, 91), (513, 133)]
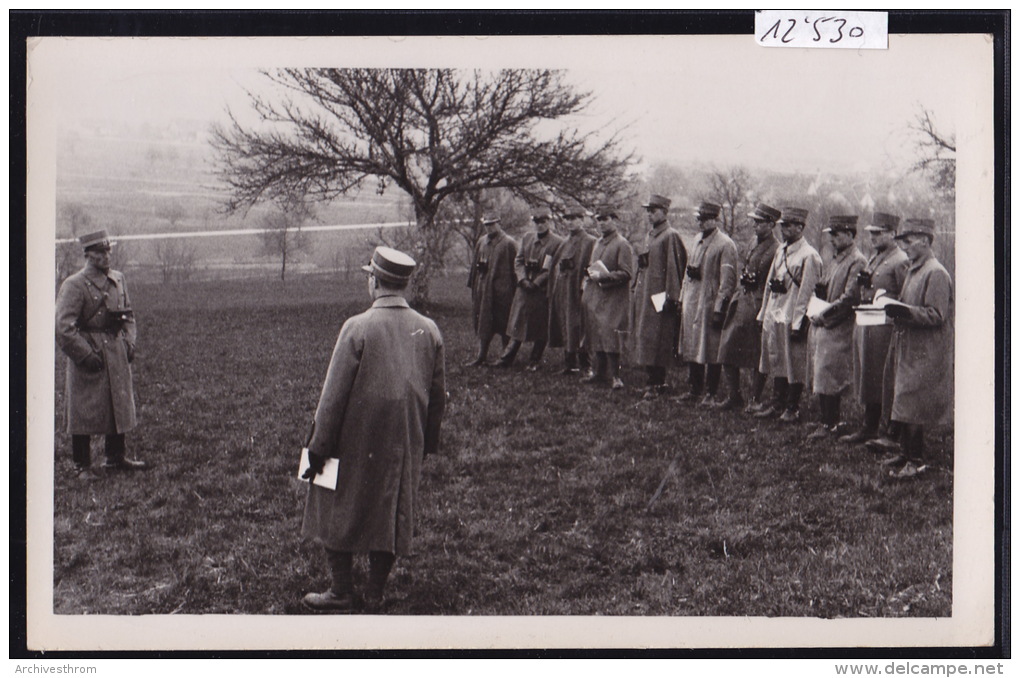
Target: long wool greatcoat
[(830, 338), (921, 360), (492, 282), (660, 268), (715, 257), (740, 341), (566, 315), (529, 313), (88, 306), (798, 266), (871, 342), (379, 414), (607, 303)]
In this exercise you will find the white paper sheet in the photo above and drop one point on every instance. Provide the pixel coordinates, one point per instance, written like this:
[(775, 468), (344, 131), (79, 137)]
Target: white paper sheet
[(330, 472)]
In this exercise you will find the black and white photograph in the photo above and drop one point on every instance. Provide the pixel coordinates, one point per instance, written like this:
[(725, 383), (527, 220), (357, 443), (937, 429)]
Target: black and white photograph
[(646, 341)]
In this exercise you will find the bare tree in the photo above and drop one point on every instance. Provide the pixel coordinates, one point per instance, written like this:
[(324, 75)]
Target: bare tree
[(176, 258), (434, 134), (731, 188), (282, 235), (937, 154)]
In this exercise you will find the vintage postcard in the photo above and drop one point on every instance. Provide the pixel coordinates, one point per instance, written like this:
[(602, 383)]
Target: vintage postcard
[(244, 183)]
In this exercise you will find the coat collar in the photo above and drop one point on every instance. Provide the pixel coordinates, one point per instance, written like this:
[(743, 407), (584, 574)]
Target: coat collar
[(921, 262), (97, 277), (659, 230), (704, 239), (394, 301), (845, 254)]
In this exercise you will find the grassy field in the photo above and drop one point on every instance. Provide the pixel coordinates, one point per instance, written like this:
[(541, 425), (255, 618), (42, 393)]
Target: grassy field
[(537, 505)]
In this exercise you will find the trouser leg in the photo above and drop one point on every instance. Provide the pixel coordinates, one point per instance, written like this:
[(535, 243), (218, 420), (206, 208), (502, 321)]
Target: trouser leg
[(341, 567), (793, 396), (912, 437), (732, 381), (115, 447), (712, 374), (757, 385), (780, 391), (569, 360), (600, 364), (872, 417), (835, 409), (584, 360), (81, 451), (483, 347), (537, 351), (696, 377), (656, 375), (613, 360), (379, 565)]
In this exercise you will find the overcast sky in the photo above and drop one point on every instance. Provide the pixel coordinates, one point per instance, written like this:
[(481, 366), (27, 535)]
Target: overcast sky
[(708, 99)]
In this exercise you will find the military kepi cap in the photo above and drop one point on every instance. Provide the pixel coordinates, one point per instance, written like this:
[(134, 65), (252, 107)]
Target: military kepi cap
[(917, 227), (763, 212), (794, 215), (575, 211), (842, 223), (92, 239), (657, 201), (880, 222), (708, 210), (541, 213), (390, 265)]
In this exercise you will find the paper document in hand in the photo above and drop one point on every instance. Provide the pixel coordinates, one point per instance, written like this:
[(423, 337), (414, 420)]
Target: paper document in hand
[(598, 269), (658, 301), (546, 262), (816, 307), (330, 472)]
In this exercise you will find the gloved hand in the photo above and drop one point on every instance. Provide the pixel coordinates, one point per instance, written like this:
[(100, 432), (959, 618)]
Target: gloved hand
[(801, 333), (130, 351), (718, 317), (897, 311), (315, 465), (93, 362), (669, 306)]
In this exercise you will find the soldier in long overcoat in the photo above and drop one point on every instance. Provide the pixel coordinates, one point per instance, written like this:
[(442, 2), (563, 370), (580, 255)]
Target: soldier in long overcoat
[(606, 299), (921, 360), (95, 329), (712, 274), (792, 276), (830, 336), (886, 270), (661, 263), (379, 414), (529, 313), (567, 269), (492, 281), (740, 340)]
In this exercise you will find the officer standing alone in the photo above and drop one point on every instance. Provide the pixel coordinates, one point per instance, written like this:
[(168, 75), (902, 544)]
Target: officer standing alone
[(95, 328)]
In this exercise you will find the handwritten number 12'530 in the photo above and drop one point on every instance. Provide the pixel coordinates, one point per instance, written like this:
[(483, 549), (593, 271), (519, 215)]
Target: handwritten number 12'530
[(774, 30)]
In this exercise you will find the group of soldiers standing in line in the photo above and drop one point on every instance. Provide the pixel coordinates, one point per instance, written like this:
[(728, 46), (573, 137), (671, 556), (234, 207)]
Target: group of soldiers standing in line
[(599, 300)]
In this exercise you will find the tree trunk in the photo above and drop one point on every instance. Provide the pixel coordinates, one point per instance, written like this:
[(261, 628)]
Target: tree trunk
[(428, 257)]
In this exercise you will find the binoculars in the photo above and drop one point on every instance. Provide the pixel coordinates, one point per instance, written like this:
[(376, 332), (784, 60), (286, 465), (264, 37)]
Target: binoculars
[(777, 286), (748, 279), (694, 272), (483, 267), (864, 278), (642, 260), (566, 264), (821, 290)]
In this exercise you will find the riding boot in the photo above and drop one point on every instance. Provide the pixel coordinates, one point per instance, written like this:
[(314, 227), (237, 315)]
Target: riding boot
[(81, 451)]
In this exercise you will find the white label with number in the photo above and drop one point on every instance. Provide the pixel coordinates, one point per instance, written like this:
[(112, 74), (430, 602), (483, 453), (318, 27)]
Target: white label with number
[(828, 29)]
